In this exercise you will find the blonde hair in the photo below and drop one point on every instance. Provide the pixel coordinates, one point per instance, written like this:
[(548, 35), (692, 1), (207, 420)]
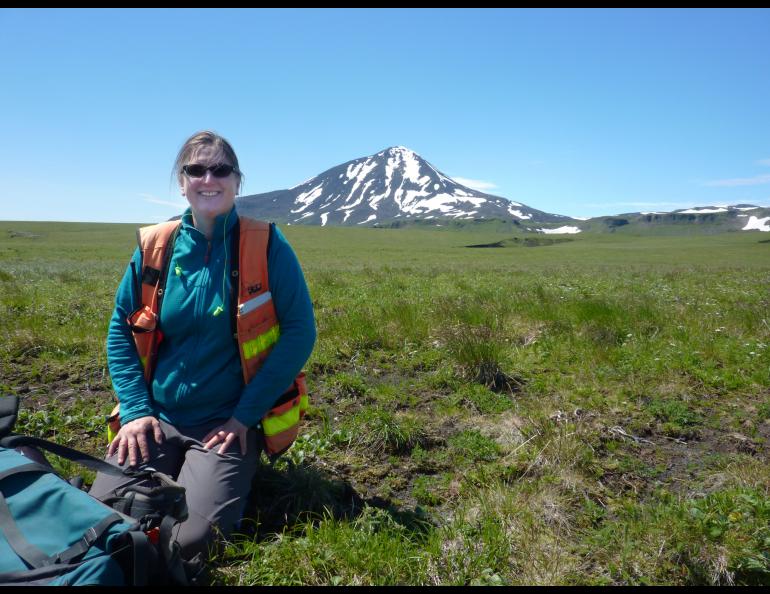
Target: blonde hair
[(206, 138)]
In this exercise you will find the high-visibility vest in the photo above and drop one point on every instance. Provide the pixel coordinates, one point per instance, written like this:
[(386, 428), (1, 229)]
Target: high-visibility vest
[(254, 322)]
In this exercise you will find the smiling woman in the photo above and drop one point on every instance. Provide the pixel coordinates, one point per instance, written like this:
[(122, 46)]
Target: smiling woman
[(203, 394), (209, 177)]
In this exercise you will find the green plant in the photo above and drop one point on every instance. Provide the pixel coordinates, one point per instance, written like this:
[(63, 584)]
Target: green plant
[(474, 446), (380, 429)]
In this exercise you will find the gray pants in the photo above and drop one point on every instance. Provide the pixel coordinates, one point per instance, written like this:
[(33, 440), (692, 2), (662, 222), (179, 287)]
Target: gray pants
[(216, 484)]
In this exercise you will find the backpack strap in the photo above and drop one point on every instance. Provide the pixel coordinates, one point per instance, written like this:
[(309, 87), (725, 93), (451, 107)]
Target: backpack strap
[(171, 552), (35, 577), (14, 441), (9, 409), (90, 536), (141, 559), (31, 467)]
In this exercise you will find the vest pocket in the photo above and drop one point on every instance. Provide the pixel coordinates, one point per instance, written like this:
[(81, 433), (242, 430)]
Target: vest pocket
[(256, 341), (280, 425)]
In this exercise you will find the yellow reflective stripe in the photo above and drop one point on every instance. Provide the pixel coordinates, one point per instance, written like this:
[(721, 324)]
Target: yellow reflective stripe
[(303, 403), (277, 424), (253, 347), (144, 361)]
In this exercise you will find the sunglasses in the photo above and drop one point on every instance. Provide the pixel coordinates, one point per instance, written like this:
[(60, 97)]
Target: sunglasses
[(218, 170)]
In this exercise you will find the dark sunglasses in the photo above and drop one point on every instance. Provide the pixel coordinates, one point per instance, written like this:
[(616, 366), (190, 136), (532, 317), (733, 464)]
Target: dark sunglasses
[(218, 170)]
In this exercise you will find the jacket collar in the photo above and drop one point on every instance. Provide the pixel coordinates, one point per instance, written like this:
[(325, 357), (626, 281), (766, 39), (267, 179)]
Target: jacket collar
[(223, 223)]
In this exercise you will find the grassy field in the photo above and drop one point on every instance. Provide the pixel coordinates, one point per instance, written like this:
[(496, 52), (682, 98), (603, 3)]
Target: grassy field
[(589, 412)]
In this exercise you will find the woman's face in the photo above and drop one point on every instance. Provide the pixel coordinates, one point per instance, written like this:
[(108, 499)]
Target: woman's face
[(209, 196)]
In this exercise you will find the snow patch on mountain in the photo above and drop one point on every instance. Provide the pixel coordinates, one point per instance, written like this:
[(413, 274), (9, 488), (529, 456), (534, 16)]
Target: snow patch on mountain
[(308, 197), (565, 229), (757, 224), (518, 213), (703, 210)]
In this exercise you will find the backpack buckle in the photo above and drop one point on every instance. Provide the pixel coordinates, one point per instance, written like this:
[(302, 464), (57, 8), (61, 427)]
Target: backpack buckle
[(90, 536)]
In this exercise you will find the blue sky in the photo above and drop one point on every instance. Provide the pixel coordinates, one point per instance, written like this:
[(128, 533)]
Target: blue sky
[(574, 112)]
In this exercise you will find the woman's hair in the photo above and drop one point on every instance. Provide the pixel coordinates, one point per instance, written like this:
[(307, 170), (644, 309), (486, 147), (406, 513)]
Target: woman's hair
[(206, 138)]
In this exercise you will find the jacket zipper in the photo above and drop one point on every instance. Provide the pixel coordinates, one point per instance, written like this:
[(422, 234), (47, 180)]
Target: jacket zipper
[(197, 316)]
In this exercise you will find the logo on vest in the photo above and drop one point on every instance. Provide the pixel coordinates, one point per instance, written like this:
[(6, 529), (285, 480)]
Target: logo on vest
[(254, 288)]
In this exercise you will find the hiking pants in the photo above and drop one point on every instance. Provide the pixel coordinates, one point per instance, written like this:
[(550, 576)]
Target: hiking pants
[(216, 484)]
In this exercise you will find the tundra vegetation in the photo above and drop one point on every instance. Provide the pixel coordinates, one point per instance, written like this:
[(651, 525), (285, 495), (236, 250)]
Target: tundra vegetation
[(594, 411)]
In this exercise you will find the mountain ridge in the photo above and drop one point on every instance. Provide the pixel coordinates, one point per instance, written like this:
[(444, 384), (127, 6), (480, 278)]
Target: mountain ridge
[(396, 185)]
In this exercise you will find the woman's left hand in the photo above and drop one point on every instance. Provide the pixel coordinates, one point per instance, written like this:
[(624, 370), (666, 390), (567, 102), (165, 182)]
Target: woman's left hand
[(226, 434)]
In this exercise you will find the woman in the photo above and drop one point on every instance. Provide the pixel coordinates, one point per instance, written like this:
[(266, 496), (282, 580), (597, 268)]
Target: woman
[(192, 410)]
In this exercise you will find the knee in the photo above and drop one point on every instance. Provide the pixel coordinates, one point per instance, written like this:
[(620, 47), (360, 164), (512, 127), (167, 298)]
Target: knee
[(197, 535)]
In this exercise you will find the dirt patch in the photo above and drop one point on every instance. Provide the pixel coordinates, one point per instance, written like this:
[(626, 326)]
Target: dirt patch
[(522, 242), (25, 234), (679, 465), (505, 429)]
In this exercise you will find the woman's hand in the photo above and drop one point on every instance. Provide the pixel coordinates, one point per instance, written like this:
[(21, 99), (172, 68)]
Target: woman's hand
[(132, 437), (226, 434)]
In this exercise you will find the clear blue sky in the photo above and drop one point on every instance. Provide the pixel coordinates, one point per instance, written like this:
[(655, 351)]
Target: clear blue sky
[(575, 112)]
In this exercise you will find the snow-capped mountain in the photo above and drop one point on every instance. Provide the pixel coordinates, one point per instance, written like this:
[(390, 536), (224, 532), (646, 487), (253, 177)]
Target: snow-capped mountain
[(393, 185), (735, 209), (697, 219)]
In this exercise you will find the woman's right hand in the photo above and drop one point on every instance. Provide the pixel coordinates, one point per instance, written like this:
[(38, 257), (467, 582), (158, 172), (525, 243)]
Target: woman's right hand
[(132, 437)]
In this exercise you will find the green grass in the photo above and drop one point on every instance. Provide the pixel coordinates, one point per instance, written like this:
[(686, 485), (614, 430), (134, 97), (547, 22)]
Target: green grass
[(587, 412)]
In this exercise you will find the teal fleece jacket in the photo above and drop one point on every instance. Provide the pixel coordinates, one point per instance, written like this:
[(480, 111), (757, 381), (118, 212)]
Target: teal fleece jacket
[(198, 376)]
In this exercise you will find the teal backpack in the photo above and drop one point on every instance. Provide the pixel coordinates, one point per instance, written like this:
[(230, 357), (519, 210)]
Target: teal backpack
[(53, 533)]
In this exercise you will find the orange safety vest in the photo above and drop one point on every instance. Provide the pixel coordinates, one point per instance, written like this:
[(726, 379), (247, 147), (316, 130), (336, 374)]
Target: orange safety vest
[(255, 323)]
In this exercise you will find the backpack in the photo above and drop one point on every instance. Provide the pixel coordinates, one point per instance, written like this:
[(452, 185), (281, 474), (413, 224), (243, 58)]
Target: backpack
[(53, 533)]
